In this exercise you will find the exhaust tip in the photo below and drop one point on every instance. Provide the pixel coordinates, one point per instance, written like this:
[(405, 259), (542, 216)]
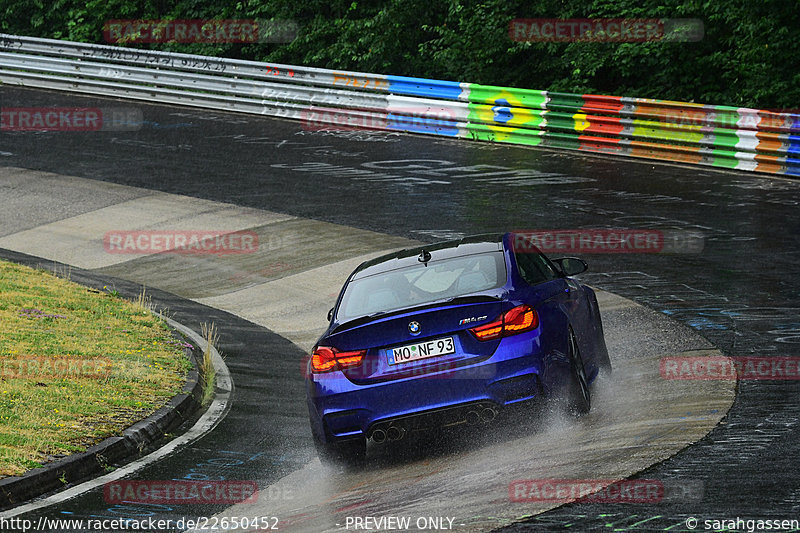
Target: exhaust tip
[(473, 417), (488, 414), (395, 433), (379, 436)]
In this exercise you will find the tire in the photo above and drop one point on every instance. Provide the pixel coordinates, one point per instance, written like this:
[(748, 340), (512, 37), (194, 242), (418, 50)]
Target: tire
[(579, 397), (351, 452)]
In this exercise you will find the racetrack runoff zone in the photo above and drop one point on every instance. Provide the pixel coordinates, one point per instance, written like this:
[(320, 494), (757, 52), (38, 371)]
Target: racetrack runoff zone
[(287, 285)]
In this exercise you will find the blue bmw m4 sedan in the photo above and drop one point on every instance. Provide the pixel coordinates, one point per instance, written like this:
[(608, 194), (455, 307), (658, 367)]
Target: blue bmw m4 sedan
[(447, 334)]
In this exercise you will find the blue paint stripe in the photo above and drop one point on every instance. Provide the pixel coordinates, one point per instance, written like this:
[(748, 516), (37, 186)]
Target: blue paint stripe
[(420, 125), (446, 90), (794, 144)]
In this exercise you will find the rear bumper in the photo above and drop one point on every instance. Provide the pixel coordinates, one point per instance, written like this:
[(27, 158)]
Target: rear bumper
[(340, 409)]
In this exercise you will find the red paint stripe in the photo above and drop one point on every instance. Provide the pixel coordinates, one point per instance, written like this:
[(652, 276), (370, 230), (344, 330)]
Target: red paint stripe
[(601, 140), (604, 125), (596, 103)]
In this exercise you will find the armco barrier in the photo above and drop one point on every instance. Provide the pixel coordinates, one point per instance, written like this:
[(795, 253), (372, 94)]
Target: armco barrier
[(719, 136)]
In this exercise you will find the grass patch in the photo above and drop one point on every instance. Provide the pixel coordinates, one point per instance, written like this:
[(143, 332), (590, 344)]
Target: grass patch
[(77, 365)]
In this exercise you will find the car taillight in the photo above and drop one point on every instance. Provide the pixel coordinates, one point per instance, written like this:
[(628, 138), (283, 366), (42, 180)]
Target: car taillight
[(326, 359), (487, 332), (517, 320)]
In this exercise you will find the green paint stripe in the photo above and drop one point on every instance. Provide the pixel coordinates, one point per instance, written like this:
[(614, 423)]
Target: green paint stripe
[(561, 121), (490, 94), (724, 158), (571, 101)]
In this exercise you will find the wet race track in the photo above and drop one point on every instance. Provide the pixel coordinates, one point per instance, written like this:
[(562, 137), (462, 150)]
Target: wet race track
[(321, 201)]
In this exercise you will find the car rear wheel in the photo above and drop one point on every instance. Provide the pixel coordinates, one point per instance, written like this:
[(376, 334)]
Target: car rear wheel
[(579, 399), (351, 452)]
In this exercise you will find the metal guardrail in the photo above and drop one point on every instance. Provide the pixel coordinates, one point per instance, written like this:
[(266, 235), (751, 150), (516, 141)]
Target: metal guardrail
[(720, 136)]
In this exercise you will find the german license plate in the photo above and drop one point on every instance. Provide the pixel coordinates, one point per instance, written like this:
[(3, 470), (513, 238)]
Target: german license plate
[(421, 350)]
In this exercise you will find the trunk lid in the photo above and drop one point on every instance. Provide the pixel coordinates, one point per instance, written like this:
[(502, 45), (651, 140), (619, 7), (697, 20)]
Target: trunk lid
[(441, 343)]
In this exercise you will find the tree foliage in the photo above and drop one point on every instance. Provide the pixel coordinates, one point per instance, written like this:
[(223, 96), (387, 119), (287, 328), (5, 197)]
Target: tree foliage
[(749, 54)]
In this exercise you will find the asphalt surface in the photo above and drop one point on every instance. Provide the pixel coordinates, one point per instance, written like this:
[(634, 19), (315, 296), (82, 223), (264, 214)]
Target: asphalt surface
[(740, 292)]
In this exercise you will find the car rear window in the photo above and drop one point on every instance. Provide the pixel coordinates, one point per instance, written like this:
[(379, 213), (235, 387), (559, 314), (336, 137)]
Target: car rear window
[(419, 284)]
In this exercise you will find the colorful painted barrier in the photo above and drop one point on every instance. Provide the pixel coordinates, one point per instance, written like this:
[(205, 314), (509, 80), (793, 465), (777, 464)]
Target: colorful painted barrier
[(712, 135), (720, 136)]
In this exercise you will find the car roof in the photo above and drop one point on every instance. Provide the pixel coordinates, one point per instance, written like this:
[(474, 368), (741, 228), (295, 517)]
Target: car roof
[(473, 244)]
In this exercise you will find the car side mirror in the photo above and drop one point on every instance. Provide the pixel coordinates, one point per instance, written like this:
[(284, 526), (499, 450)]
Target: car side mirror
[(571, 266), (330, 314)]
